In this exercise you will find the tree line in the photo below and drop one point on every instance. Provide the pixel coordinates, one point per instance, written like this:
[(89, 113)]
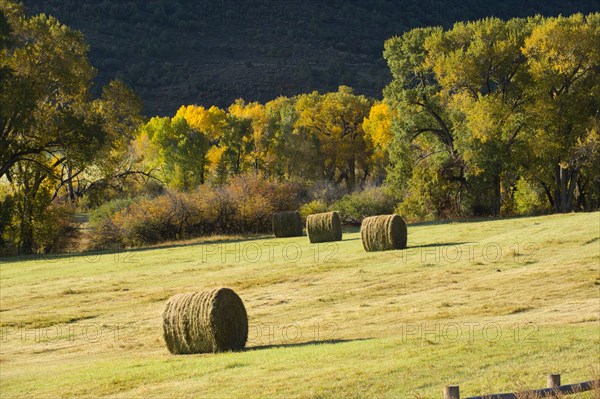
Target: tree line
[(485, 118), (309, 137), (496, 116)]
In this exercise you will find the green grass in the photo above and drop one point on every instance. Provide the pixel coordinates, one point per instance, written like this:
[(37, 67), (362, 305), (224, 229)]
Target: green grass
[(492, 305)]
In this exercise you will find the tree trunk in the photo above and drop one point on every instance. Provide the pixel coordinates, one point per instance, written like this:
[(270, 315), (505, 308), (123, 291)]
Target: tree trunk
[(25, 227), (497, 196), (203, 167), (566, 180), (365, 176), (351, 182), (70, 183), (238, 161), (30, 192), (560, 192), (581, 194), (548, 193), (571, 190)]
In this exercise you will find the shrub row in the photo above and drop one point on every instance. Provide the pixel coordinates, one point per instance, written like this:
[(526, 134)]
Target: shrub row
[(245, 205), (353, 208)]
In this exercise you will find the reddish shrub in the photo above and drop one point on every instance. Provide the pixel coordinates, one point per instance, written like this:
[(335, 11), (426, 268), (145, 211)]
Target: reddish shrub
[(245, 205)]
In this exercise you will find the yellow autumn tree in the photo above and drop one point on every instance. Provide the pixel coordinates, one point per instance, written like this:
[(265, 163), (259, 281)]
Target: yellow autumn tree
[(258, 140), (212, 124), (378, 134), (378, 125), (336, 119)]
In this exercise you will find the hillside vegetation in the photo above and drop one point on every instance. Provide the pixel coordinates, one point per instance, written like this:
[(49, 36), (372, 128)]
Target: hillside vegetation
[(212, 52), (492, 304)]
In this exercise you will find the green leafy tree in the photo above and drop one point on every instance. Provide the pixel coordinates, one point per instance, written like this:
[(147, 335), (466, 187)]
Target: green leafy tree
[(336, 119), (283, 139), (48, 85), (118, 114), (51, 132), (237, 141), (494, 107), (483, 73), (564, 58), (423, 130), (174, 150), (44, 115)]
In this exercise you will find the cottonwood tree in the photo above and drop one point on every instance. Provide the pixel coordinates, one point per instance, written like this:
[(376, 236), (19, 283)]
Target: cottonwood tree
[(482, 71), (489, 103), (426, 170), (564, 59), (50, 129), (174, 150), (211, 124), (336, 120), (289, 152), (379, 135), (113, 164), (43, 112)]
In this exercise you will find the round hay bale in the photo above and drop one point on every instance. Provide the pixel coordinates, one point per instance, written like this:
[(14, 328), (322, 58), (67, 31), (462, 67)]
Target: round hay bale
[(324, 227), (383, 233), (287, 224), (204, 322)]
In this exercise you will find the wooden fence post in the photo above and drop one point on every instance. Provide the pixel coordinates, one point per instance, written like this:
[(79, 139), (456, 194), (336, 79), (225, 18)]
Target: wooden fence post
[(553, 380), (451, 392)]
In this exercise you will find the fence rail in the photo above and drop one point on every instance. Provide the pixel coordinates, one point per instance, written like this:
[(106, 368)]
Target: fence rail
[(554, 388)]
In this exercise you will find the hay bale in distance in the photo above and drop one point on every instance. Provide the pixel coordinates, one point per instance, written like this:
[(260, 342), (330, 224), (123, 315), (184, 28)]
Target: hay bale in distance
[(324, 227), (204, 322), (287, 224), (383, 233)]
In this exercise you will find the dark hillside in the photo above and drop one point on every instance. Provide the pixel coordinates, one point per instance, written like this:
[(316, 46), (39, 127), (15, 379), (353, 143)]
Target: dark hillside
[(182, 51)]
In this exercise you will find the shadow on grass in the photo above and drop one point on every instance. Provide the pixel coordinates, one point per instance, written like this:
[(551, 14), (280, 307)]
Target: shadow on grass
[(474, 219), (308, 343), (439, 244), (94, 253), (194, 242)]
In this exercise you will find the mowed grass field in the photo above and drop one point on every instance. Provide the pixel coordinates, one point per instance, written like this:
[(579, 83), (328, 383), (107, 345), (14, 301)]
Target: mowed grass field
[(491, 305)]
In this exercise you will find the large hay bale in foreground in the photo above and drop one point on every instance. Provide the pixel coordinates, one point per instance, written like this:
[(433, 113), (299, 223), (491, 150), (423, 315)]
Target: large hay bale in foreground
[(203, 322), (324, 227), (383, 233), (287, 224)]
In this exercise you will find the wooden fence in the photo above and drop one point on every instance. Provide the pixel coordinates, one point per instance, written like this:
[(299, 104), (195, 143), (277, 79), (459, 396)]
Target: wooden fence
[(552, 391)]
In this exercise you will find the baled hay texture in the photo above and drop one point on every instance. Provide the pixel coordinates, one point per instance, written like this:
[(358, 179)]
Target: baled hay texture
[(383, 233), (203, 322), (287, 224), (324, 227)]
